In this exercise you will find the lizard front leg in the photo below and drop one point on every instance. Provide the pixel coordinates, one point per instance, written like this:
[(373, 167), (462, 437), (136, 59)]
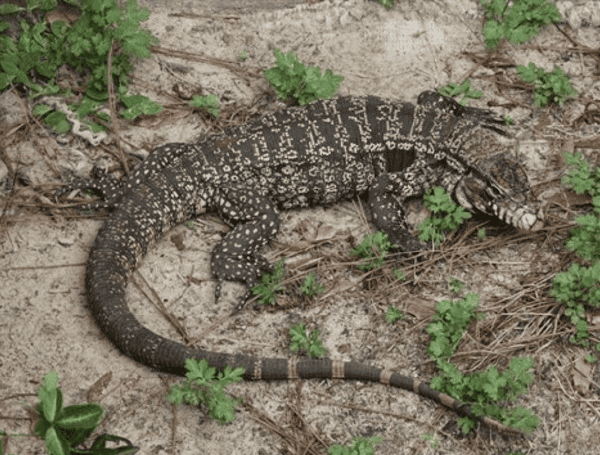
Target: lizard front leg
[(388, 215)]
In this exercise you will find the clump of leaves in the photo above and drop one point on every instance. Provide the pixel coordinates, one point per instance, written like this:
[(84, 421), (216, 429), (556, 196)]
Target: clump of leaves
[(450, 321), (388, 4), (549, 87), (270, 283), (482, 390), (208, 102), (456, 285), (519, 23), (485, 390), (310, 288), (464, 88), (393, 314), (64, 429), (312, 344), (435, 442), (358, 446), (584, 239), (439, 202), (581, 177), (373, 248), (291, 78), (85, 47), (580, 285), (204, 385)]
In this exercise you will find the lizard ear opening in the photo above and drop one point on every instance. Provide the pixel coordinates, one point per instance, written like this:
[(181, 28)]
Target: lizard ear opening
[(469, 192)]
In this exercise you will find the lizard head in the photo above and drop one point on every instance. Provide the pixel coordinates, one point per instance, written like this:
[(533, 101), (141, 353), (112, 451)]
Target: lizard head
[(490, 197), (498, 186)]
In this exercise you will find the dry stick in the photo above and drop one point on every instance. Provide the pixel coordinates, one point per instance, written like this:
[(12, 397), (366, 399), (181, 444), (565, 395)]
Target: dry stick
[(268, 423), (113, 110)]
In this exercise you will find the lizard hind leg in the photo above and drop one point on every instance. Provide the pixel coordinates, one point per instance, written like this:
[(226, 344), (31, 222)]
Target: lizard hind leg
[(237, 256), (109, 189)]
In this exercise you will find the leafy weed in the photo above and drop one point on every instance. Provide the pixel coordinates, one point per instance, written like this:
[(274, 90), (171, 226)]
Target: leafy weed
[(438, 201), (312, 344), (204, 385), (270, 283), (64, 429), (373, 248), (549, 87), (519, 23), (291, 78)]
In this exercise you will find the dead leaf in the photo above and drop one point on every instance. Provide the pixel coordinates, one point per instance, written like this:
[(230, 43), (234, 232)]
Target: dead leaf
[(94, 393), (569, 199), (421, 309), (583, 373)]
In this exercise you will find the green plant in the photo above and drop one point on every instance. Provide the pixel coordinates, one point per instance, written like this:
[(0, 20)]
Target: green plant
[(3, 436), (452, 89), (359, 446), (519, 23), (438, 201), (270, 283), (373, 248), (399, 274), (85, 47), (393, 314), (435, 442), (243, 55), (456, 285), (582, 178), (549, 87), (64, 429), (204, 385), (208, 102), (290, 78), (54, 119), (135, 105), (585, 239), (312, 344), (388, 4), (482, 390), (450, 321), (310, 287), (580, 285)]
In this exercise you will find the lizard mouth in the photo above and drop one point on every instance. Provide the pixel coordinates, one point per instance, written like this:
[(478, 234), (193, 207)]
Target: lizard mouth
[(521, 217), (469, 193)]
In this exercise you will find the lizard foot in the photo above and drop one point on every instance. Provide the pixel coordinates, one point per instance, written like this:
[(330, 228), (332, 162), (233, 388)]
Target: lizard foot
[(101, 183)]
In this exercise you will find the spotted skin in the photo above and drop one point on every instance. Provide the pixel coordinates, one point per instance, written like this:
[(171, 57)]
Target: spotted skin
[(297, 157)]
